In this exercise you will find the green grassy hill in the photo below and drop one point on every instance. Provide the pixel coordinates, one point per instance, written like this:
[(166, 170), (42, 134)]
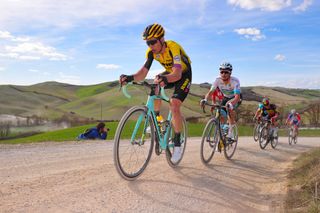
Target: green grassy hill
[(53, 100)]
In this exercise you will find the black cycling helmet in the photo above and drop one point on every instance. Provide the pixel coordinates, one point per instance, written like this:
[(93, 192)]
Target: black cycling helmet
[(153, 31)]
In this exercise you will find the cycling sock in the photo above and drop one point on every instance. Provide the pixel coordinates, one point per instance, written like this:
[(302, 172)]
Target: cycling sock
[(176, 139)]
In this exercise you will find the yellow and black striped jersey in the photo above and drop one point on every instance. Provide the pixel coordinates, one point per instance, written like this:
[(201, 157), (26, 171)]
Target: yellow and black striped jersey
[(174, 56)]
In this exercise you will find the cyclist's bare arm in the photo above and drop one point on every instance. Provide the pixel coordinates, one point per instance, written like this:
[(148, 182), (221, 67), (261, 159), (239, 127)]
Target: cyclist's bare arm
[(175, 75), (209, 94), (235, 100), (141, 74)]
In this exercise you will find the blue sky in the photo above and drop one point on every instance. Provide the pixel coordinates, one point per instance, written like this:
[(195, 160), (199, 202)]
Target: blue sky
[(269, 42)]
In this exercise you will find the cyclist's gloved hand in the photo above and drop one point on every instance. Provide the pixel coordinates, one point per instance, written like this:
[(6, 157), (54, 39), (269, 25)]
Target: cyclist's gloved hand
[(125, 79), (230, 106), (203, 102), (162, 78)]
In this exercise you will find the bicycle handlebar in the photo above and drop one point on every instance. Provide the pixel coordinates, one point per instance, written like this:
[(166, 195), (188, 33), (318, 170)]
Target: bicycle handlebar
[(144, 83), (213, 105)]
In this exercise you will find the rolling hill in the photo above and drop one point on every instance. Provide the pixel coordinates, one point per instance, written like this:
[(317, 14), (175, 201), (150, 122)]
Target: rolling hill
[(53, 100)]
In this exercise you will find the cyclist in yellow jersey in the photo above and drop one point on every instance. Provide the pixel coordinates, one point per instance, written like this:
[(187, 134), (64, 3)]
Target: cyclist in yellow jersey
[(177, 75)]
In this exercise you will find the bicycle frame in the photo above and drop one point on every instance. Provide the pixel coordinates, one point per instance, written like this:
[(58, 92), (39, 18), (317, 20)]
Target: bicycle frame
[(150, 112), (218, 118)]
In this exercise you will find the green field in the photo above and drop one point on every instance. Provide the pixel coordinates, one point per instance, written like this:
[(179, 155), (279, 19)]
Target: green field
[(70, 134)]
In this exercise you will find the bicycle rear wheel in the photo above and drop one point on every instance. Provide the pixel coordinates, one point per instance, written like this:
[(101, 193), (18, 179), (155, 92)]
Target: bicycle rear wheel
[(170, 145), (209, 141), (274, 141), (263, 137), (231, 143), (133, 143)]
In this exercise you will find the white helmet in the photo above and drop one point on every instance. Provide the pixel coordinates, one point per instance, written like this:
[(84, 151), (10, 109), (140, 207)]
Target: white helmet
[(293, 111), (225, 66)]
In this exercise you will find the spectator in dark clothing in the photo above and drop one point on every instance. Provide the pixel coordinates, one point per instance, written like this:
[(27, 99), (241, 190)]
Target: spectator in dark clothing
[(98, 132)]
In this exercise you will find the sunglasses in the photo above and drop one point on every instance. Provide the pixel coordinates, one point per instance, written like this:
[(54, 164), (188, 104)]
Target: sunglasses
[(224, 72), (152, 42)]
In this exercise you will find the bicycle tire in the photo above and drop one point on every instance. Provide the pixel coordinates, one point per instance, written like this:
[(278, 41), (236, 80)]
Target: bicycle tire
[(256, 132), (170, 144), (208, 141), (274, 142), (123, 146), (263, 137), (295, 139), (290, 138), (230, 145)]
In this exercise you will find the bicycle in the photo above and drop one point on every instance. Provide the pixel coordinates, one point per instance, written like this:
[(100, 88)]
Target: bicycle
[(256, 129), (266, 135), (214, 135), (292, 135), (137, 131)]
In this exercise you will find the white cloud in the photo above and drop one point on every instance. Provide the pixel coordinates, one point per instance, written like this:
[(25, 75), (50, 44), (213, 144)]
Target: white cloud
[(33, 70), (279, 57), (24, 48), (106, 12), (303, 6), (268, 5), (250, 33), (69, 79), (108, 66), (7, 36), (2, 69), (302, 82)]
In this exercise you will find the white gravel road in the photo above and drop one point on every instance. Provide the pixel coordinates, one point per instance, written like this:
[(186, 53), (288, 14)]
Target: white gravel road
[(80, 177)]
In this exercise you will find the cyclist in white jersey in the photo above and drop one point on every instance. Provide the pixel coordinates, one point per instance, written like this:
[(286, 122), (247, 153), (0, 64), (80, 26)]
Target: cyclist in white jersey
[(230, 88)]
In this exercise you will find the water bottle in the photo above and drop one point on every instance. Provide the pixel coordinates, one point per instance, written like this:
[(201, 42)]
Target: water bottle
[(161, 123)]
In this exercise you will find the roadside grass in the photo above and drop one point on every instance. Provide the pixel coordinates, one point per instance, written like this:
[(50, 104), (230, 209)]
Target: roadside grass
[(303, 179), (70, 134)]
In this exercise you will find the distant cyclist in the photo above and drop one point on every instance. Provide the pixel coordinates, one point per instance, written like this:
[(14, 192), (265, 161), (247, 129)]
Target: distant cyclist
[(268, 111), (229, 86), (177, 75), (294, 120)]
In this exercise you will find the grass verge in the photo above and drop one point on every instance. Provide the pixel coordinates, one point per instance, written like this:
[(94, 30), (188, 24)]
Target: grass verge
[(70, 134), (303, 196)]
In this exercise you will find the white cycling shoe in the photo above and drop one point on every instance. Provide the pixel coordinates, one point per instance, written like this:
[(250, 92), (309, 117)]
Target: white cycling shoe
[(176, 156)]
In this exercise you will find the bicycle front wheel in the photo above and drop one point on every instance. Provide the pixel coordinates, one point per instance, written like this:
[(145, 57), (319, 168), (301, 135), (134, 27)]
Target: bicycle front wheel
[(133, 143), (209, 141), (263, 137), (231, 143), (256, 129), (170, 143), (290, 136)]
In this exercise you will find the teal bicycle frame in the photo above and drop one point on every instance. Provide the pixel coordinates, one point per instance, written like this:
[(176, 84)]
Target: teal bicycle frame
[(150, 106)]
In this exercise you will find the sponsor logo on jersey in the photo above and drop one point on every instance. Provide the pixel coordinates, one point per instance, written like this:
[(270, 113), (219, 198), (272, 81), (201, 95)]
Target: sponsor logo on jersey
[(185, 83), (177, 58)]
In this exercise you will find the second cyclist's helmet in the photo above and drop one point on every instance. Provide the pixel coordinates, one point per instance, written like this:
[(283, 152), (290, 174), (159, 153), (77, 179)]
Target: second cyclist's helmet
[(265, 101), (225, 66), (153, 31), (293, 111)]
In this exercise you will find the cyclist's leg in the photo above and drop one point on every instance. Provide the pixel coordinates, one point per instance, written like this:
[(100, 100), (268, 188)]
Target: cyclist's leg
[(181, 91)]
